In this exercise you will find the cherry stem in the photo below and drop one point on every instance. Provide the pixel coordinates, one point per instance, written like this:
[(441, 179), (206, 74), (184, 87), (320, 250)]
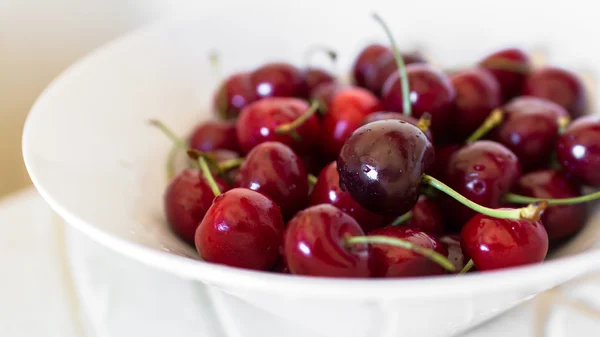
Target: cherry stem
[(312, 179), (406, 106), (521, 199), (170, 166), (467, 267), (532, 212), (289, 128), (494, 119), (215, 64), (199, 156), (402, 219), (508, 65), (424, 122), (178, 144), (563, 122), (386, 240), (230, 164), (320, 49)]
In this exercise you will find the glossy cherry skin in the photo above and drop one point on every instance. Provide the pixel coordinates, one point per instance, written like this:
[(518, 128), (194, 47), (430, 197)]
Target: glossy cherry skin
[(381, 165), (559, 221), (455, 253), (510, 81), (477, 94), (578, 149), (314, 244), (442, 159), (482, 172), (560, 86), (530, 130), (186, 201), (390, 261), (311, 79), (276, 80), (242, 229), (328, 191), (383, 115), (233, 95), (274, 170), (345, 114), (325, 93), (502, 243), (430, 91), (214, 135), (257, 123), (427, 216)]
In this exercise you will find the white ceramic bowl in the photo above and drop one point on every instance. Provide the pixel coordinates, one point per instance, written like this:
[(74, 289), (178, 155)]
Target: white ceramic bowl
[(96, 161)]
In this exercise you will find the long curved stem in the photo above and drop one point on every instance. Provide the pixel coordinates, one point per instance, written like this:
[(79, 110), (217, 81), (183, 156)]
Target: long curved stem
[(521, 199), (197, 155), (230, 164), (494, 119), (292, 126), (467, 267), (402, 219)]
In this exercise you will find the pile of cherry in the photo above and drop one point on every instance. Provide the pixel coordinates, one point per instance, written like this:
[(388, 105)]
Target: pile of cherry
[(409, 171)]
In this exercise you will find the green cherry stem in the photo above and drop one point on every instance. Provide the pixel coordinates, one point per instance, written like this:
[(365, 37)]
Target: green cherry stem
[(532, 212), (178, 144), (386, 240), (563, 123), (198, 156), (494, 119), (467, 267), (402, 219), (290, 127), (312, 179), (230, 164), (521, 199), (424, 122), (319, 49), (406, 106)]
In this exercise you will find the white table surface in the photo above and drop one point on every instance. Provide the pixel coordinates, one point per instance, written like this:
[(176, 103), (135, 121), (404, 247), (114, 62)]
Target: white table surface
[(56, 282)]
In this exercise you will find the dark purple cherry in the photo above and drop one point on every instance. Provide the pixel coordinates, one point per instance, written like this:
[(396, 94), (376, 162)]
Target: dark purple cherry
[(233, 95), (509, 67), (382, 115), (578, 149), (502, 243), (276, 80), (313, 78), (315, 244), (390, 261), (442, 159), (328, 191), (242, 229), (381, 165), (215, 135), (455, 253), (560, 86), (274, 170), (427, 216)]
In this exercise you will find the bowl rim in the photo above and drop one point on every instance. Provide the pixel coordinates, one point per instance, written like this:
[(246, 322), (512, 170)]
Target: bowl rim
[(564, 268)]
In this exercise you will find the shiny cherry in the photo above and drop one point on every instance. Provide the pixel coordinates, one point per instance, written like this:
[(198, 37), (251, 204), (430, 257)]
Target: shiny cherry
[(311, 79), (509, 67), (213, 135), (501, 243), (242, 229), (390, 261), (578, 149), (383, 115), (381, 165), (560, 86), (345, 114), (482, 172), (186, 201), (455, 253), (477, 94), (530, 129), (430, 91), (559, 221), (274, 170), (276, 80), (325, 93), (328, 191), (427, 216), (258, 121), (233, 95), (314, 244)]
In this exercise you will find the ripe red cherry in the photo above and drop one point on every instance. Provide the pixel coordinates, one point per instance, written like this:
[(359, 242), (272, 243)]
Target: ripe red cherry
[(530, 130), (477, 94), (314, 244), (390, 261), (325, 93), (501, 243), (509, 67), (578, 149), (258, 121), (311, 79), (186, 201), (276, 80), (560, 86), (381, 116), (381, 165), (559, 221), (241, 229), (427, 216), (430, 91), (482, 172), (274, 170), (233, 95), (214, 135), (345, 114), (328, 191), (455, 253)]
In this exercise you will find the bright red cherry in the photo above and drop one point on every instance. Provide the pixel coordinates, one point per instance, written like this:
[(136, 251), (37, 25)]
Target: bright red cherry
[(315, 245), (258, 122), (455, 253), (381, 116), (311, 79), (274, 170), (502, 243), (390, 261), (430, 91), (560, 86), (276, 80), (559, 221), (427, 216), (233, 95), (477, 94), (578, 149), (242, 229), (328, 191), (509, 66), (214, 135)]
